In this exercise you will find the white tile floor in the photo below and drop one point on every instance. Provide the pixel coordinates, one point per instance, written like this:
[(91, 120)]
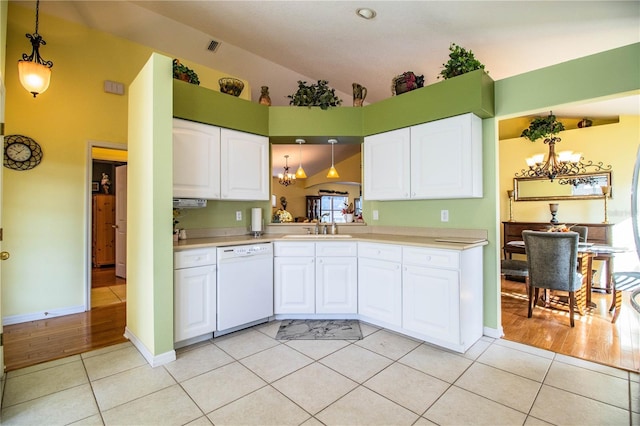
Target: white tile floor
[(250, 378)]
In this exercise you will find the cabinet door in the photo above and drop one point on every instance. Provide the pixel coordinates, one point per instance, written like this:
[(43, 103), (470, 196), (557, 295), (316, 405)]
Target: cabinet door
[(446, 158), (294, 285), (430, 302), (196, 160), (380, 290), (194, 302), (386, 165), (336, 285), (245, 171)]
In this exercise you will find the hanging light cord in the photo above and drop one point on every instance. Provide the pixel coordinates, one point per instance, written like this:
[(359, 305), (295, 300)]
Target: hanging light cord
[(36, 41)]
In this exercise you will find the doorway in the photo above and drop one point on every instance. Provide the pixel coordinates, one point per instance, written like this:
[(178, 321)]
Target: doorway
[(106, 242)]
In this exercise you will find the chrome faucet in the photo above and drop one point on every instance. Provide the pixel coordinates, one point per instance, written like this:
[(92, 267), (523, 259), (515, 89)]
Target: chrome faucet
[(334, 228), (324, 229), (317, 229)]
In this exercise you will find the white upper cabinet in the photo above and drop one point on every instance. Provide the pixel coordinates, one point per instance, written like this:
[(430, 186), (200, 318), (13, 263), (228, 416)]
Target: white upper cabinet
[(196, 160), (244, 166), (446, 158), (386, 165), (435, 160), (219, 164)]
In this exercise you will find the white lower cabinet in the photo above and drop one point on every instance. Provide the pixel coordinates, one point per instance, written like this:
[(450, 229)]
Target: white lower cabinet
[(194, 283), (380, 283), (442, 296), (294, 285), (336, 285), (315, 278)]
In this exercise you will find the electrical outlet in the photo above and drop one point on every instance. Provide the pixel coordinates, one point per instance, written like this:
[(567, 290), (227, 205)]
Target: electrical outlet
[(444, 215), (238, 215), (375, 215)]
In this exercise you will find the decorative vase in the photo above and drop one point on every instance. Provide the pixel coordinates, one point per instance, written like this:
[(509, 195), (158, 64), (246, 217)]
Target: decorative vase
[(553, 208), (348, 217), (264, 96), (359, 93)]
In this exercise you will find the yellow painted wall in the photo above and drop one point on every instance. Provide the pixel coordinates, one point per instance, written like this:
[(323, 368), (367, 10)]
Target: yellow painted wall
[(615, 144), (108, 154), (44, 216)]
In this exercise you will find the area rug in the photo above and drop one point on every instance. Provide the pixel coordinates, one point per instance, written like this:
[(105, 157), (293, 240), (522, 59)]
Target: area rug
[(319, 330)]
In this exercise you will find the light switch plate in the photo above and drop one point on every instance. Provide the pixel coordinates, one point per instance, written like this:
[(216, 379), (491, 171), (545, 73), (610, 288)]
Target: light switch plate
[(375, 215), (444, 215), (238, 215)]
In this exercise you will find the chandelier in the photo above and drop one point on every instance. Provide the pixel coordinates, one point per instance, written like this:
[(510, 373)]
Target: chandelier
[(35, 72), (567, 167), (286, 178)]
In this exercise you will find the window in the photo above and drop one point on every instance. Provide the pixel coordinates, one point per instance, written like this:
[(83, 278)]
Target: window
[(331, 208)]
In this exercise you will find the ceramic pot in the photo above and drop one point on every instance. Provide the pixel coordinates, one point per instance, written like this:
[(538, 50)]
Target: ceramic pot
[(348, 217)]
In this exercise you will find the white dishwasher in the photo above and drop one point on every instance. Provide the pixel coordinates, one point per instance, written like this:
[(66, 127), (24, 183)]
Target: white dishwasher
[(245, 285)]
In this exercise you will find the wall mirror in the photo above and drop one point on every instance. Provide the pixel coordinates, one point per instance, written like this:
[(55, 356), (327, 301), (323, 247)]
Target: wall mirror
[(538, 189)]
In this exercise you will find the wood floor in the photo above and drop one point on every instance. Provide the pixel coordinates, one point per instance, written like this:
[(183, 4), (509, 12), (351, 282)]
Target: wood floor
[(593, 338), (34, 342)]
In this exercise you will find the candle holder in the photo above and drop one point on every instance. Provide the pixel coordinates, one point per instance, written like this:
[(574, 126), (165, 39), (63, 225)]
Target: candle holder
[(510, 195), (553, 208), (606, 191)]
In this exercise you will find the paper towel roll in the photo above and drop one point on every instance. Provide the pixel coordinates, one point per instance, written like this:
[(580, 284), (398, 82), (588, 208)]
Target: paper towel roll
[(256, 219)]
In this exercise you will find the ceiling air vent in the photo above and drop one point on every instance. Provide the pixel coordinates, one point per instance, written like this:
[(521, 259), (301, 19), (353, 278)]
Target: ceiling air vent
[(213, 45)]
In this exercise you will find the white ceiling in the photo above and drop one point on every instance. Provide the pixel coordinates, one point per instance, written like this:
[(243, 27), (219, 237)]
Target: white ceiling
[(276, 43)]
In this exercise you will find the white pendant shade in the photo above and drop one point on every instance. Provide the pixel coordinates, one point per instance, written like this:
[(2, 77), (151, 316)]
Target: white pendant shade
[(34, 77)]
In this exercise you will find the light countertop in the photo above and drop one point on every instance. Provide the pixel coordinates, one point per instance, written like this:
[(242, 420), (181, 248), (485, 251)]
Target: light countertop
[(440, 242)]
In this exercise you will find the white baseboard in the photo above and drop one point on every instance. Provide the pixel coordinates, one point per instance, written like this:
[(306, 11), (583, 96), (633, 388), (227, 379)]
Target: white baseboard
[(496, 333), (17, 319), (153, 360)]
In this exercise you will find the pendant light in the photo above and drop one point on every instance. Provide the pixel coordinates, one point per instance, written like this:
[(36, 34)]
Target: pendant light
[(300, 174), (35, 72), (333, 173)]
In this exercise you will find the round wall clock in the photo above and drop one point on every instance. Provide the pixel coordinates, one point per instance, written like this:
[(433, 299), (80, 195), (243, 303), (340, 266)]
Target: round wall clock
[(21, 152)]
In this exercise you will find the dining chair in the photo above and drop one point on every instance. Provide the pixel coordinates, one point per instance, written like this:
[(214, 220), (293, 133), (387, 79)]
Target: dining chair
[(552, 258), (582, 231)]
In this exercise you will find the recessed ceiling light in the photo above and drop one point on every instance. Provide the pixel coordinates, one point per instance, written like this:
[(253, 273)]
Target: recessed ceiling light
[(366, 13)]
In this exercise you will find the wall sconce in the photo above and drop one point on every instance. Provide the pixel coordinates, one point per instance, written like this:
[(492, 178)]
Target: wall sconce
[(333, 173), (35, 72)]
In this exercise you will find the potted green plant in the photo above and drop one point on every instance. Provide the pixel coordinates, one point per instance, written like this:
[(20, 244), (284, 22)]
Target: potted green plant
[(543, 128), (319, 94), (182, 72), (461, 61)]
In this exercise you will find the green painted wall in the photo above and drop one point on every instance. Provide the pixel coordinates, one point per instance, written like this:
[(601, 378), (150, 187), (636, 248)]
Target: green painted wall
[(471, 92), (150, 188), (208, 106)]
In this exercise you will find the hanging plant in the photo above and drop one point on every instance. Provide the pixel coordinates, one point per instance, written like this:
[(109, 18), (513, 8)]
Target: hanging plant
[(461, 61), (319, 94), (542, 128), (182, 72)]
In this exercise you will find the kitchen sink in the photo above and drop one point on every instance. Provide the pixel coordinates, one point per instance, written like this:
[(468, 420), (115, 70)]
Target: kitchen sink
[(316, 236)]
